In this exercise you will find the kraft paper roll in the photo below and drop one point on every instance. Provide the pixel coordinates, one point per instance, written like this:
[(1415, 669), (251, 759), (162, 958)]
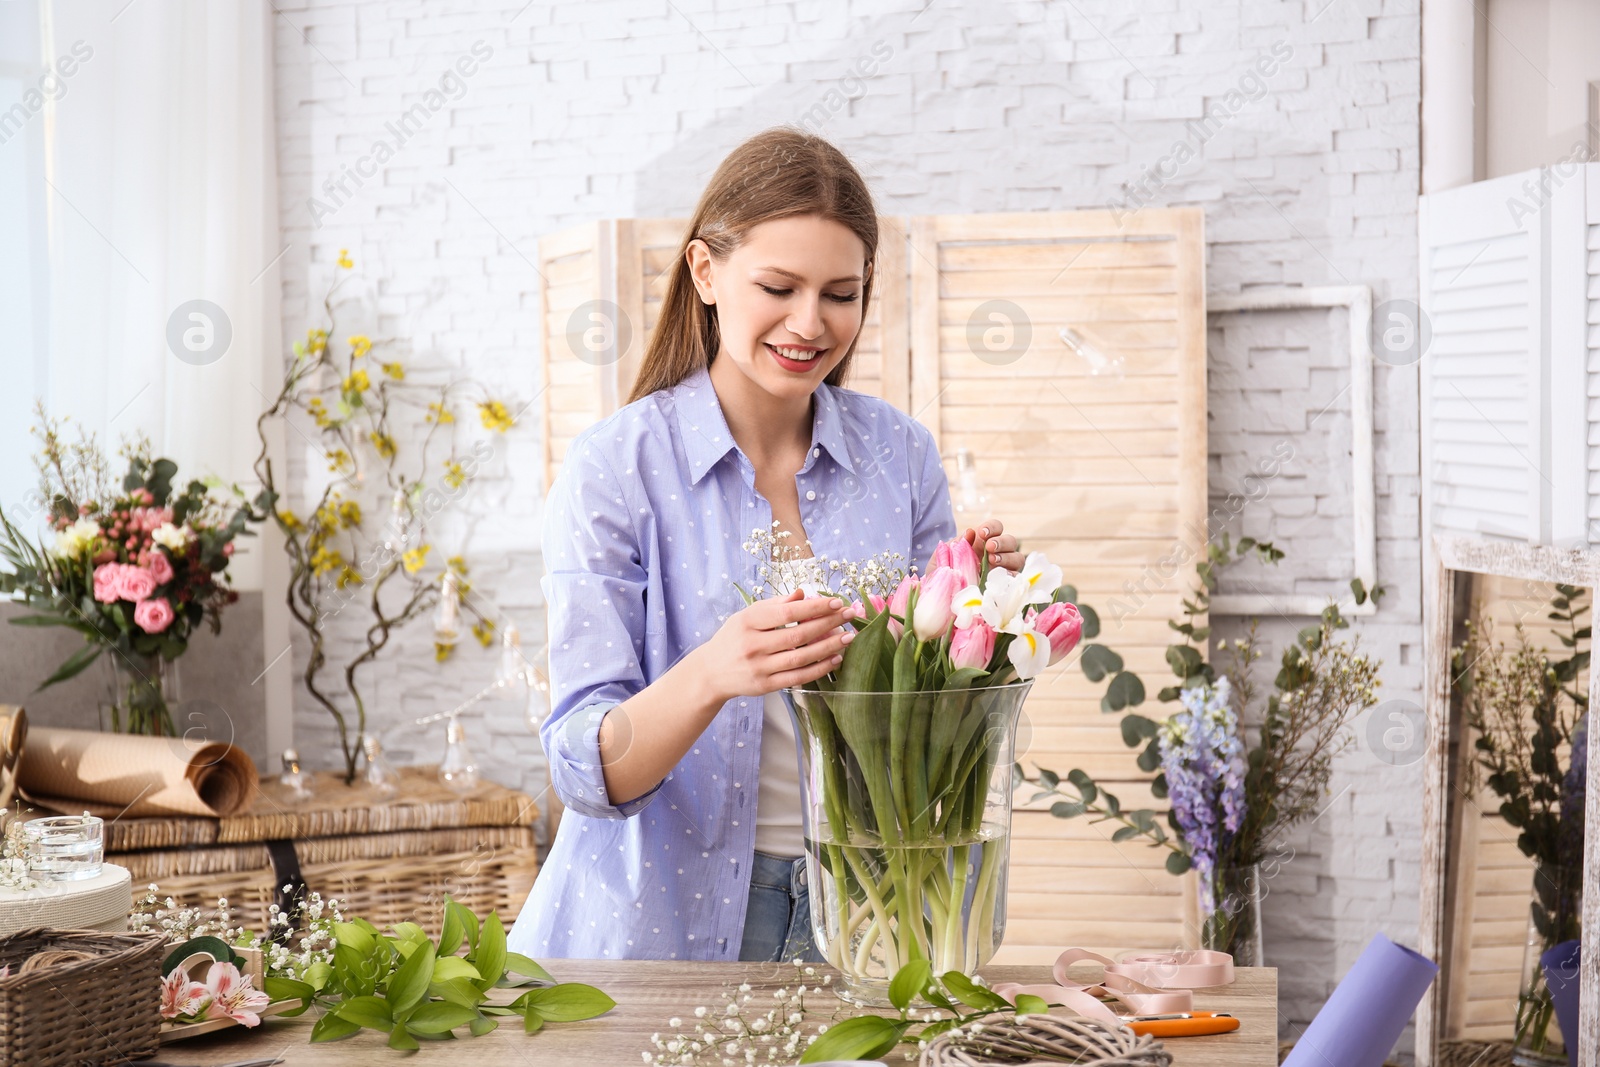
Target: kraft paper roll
[(130, 775), (1361, 1022)]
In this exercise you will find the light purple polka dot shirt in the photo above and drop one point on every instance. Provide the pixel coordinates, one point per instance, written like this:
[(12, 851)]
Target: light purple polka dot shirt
[(643, 539)]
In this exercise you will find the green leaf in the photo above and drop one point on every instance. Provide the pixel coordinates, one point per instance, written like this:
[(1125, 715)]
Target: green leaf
[(454, 931), (332, 1028), (318, 974), (41, 620), (908, 981), (482, 1024), (370, 1012), (1123, 833), (1125, 691), (436, 1017), (468, 921), (353, 936), (864, 1037), (1028, 1004), (399, 1039), (1049, 779), (448, 967), (460, 991), (74, 664), (1098, 661), (532, 1021), (971, 993), (288, 989), (1184, 660), (409, 983), (1091, 622), (490, 955), (567, 1002), (1136, 729), (517, 963), (1067, 809), (1177, 863), (409, 932)]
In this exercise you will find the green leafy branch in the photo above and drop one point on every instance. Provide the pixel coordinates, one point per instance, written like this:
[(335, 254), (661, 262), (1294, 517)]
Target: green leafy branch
[(408, 986), (869, 1037), (1319, 685)]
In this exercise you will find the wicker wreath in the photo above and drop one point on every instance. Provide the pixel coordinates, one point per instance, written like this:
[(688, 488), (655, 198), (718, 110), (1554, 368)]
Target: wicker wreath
[(1046, 1039)]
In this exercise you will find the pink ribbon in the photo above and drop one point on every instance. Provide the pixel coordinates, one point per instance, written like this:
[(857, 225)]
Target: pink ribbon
[(1149, 985)]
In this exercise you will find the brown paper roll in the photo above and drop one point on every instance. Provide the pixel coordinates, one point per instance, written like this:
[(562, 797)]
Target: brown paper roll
[(126, 774)]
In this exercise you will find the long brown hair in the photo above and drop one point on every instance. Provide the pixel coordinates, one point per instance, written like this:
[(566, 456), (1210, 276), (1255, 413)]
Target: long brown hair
[(780, 173)]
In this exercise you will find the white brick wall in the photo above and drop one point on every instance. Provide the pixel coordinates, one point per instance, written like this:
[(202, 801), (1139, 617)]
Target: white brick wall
[(623, 108)]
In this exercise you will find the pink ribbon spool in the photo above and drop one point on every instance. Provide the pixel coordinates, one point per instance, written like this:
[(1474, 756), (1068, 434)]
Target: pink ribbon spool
[(1157, 984)]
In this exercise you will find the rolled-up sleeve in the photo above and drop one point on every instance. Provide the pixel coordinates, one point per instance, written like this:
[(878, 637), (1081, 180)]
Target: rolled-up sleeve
[(935, 520), (594, 589)]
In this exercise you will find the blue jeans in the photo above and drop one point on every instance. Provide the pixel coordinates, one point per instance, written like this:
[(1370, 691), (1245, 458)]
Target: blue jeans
[(777, 921)]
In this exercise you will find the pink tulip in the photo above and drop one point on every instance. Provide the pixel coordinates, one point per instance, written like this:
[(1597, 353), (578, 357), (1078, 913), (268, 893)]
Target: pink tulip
[(855, 610), (108, 582), (973, 646), (160, 567), (935, 611), (959, 557), (154, 615), (135, 584), (900, 602), (1062, 624)]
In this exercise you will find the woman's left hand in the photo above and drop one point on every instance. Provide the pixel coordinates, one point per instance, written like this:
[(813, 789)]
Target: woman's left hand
[(1003, 548)]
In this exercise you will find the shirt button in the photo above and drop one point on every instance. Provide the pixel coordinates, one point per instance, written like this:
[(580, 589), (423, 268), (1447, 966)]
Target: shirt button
[(811, 494)]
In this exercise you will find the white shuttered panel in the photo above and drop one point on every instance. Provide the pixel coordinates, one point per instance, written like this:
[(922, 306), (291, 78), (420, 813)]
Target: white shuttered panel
[(1510, 434)]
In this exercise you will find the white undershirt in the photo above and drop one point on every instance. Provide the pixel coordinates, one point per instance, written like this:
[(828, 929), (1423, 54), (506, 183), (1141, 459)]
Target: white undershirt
[(779, 830)]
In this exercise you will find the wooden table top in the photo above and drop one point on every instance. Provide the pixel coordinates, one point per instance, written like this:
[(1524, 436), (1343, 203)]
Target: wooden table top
[(649, 992)]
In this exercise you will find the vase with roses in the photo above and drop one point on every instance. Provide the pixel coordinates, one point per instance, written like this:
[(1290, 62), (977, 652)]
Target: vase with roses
[(136, 567)]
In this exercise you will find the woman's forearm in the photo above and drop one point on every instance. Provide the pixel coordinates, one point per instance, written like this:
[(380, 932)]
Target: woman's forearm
[(645, 736)]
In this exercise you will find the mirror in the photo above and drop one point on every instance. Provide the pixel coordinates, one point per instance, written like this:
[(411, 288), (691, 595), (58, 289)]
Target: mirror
[(1506, 842)]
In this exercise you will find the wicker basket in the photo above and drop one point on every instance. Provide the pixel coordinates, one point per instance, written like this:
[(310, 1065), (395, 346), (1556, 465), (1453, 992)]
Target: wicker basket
[(101, 1010), (389, 858)]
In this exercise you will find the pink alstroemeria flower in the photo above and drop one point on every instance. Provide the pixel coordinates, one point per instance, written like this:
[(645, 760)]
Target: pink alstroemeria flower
[(181, 998), (232, 996)]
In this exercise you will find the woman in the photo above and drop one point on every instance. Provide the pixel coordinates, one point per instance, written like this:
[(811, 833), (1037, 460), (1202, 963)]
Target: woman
[(667, 741)]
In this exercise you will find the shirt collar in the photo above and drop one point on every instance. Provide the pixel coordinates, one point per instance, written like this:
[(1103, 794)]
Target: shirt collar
[(706, 437)]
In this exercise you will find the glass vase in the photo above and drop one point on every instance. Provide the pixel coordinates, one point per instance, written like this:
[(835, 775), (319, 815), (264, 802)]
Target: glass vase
[(1230, 913), (1554, 913), (143, 691), (907, 808)]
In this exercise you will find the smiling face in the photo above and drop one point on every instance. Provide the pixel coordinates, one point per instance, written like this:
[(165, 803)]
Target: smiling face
[(788, 300)]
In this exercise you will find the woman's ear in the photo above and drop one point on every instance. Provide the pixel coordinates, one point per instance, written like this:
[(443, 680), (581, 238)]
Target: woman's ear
[(698, 256)]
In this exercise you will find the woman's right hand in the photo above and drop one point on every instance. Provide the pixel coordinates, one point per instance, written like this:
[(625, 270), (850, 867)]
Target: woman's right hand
[(774, 644)]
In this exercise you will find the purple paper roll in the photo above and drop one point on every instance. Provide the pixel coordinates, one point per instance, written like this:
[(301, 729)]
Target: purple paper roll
[(1366, 1014), (1561, 975)]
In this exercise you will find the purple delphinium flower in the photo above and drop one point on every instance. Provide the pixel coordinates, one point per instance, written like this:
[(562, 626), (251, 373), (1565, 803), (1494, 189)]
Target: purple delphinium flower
[(1202, 756)]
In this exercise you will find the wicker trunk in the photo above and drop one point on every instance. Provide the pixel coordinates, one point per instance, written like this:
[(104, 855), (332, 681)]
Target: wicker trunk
[(390, 859)]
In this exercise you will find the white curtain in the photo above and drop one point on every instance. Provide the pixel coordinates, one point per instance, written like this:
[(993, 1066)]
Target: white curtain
[(160, 190)]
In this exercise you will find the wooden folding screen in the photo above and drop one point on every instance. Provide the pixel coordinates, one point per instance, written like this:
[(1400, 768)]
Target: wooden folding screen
[(969, 332)]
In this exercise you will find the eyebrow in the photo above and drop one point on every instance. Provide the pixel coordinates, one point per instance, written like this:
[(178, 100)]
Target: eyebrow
[(795, 277)]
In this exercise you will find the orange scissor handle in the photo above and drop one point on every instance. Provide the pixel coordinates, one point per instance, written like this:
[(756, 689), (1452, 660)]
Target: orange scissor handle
[(1199, 1023)]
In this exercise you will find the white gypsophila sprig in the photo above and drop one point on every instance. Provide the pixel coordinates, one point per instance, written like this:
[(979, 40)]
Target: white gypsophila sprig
[(744, 1030), (819, 575)]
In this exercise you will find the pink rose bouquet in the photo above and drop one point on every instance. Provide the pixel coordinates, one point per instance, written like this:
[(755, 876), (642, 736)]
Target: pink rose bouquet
[(135, 569)]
